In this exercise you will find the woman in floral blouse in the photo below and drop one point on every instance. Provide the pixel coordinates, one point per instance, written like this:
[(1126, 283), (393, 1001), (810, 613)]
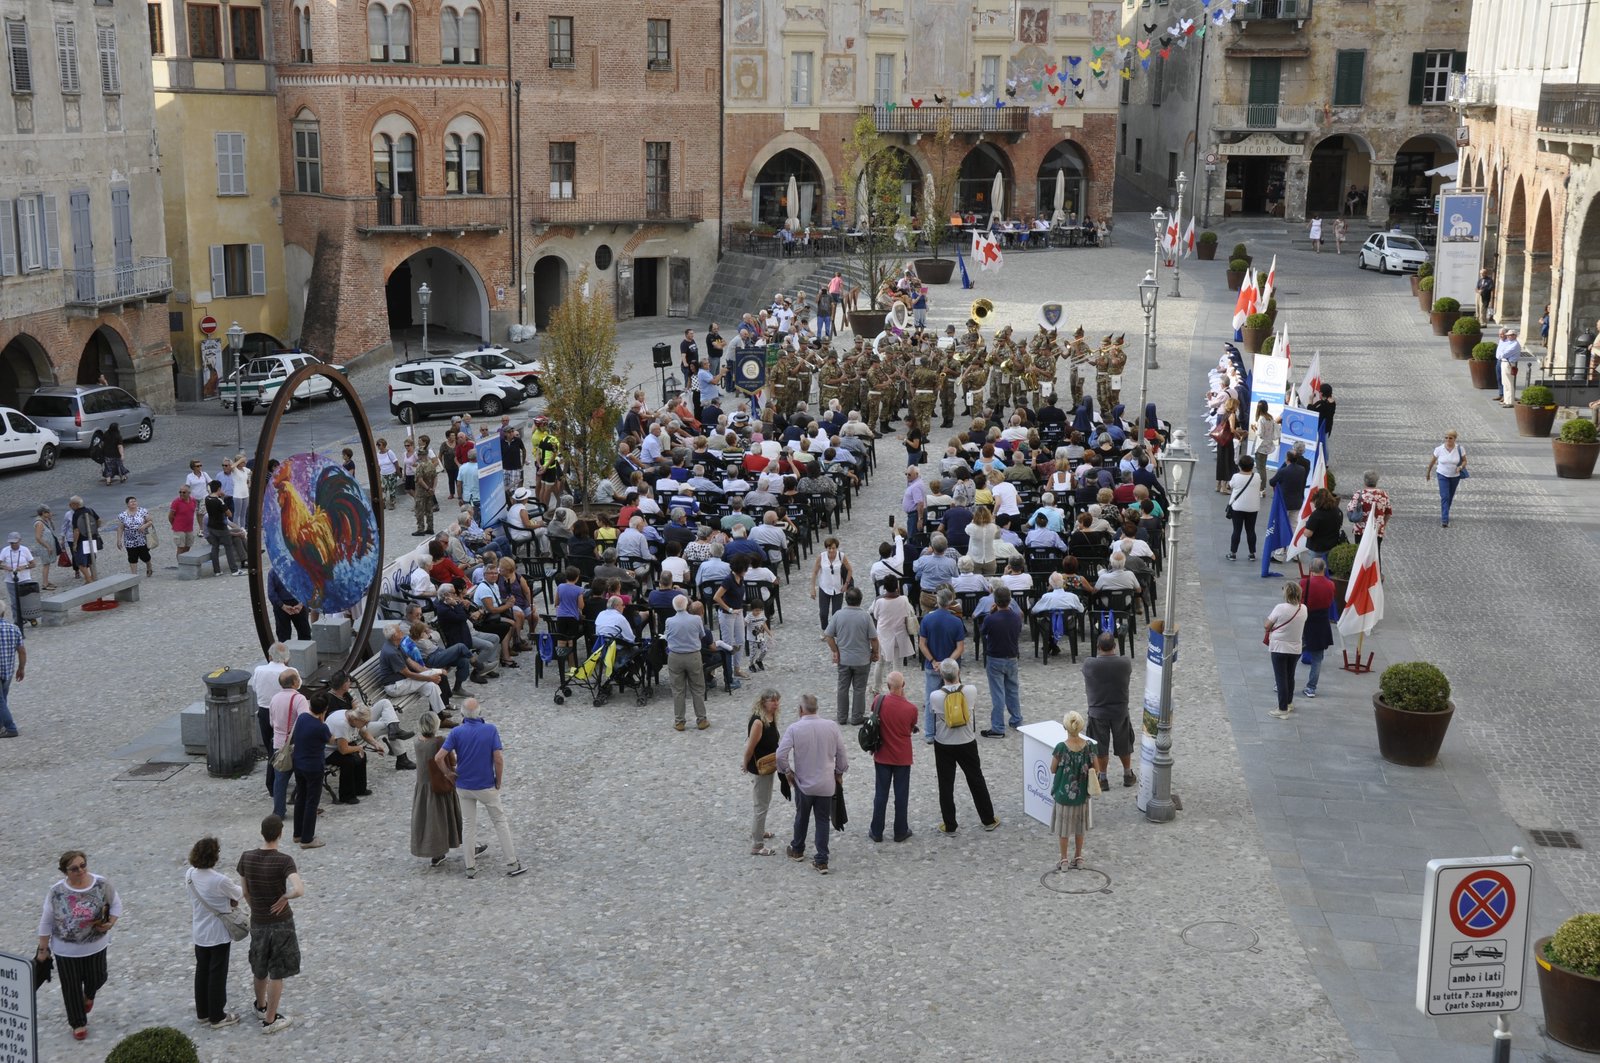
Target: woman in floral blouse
[(1071, 818)]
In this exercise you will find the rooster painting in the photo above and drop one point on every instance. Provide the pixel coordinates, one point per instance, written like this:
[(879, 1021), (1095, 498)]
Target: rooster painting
[(331, 541)]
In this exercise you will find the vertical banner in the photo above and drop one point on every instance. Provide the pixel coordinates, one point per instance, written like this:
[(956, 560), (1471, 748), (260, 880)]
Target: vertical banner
[(1458, 254), (491, 481), (1163, 650), (1269, 382), (1298, 426)]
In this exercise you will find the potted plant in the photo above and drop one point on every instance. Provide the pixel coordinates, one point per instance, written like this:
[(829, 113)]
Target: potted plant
[(1237, 267), (1425, 294), (154, 1044), (1576, 449), (1267, 344), (1445, 312), (938, 200), (1272, 312), (1464, 335), (1484, 366), (871, 257), (1257, 327), (1536, 411), (1206, 250), (1424, 270), (1341, 561), (1569, 982), (1413, 710), (1241, 251)]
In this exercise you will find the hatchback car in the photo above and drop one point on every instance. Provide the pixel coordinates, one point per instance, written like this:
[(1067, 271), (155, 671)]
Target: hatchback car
[(507, 363), (1392, 253), (80, 414), (24, 444)]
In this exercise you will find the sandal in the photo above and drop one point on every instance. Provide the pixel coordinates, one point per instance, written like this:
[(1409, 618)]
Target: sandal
[(1077, 863), (763, 851), (1061, 865)]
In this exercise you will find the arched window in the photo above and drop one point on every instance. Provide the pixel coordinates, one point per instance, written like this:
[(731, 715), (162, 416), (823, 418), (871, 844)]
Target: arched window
[(389, 34), (463, 159), (471, 36), (400, 34), (378, 33), (302, 28), (394, 175), (307, 152), (461, 36)]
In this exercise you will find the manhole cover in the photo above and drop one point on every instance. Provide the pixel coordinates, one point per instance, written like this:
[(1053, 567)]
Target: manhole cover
[(1219, 936), (151, 771), (1083, 880)]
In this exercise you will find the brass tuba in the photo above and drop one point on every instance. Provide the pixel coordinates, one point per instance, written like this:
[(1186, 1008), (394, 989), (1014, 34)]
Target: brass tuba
[(981, 309)]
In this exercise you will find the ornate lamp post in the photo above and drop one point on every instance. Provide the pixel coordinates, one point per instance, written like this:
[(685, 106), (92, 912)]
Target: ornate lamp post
[(424, 297), (1177, 252), (1149, 291), (236, 345), (1158, 222), (1178, 470)]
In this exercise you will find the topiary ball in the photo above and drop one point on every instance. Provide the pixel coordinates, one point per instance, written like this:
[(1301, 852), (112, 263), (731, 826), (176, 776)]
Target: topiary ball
[(1576, 946), (1414, 686), (155, 1044)]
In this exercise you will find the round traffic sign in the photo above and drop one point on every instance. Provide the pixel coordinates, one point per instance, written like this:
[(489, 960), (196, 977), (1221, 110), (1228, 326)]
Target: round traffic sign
[(1211, 156), (208, 325), (1482, 904)]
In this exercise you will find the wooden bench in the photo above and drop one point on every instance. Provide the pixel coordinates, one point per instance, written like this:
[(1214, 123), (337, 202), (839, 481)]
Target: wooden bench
[(58, 607), (365, 680)]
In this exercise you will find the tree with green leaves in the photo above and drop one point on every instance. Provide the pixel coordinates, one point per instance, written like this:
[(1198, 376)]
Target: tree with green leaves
[(581, 388), (944, 155), (877, 166)]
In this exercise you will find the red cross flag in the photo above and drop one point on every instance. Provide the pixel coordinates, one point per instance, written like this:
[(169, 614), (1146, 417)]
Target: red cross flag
[(986, 251), (1363, 600), (1188, 239), (1319, 478), (1246, 303), (1313, 381)]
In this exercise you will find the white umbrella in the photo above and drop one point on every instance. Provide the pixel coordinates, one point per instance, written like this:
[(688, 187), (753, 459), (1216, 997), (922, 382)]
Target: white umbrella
[(997, 197), (794, 203), (929, 203), (1060, 215), (862, 206)]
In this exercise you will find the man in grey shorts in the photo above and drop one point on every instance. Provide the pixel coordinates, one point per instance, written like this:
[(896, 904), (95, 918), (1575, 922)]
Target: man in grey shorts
[(1106, 677), (271, 880)]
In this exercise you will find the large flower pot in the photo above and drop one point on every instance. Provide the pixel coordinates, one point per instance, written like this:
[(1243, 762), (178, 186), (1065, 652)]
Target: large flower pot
[(1410, 738), (1443, 321), (1415, 280), (1205, 252), (1571, 1002), (934, 270), (1575, 461), (1253, 337), (1535, 421), (1485, 373), (1234, 280), (867, 323), (1425, 302), (1461, 345)]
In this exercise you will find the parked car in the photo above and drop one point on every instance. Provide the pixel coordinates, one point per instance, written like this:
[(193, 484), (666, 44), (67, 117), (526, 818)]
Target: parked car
[(435, 386), (1392, 253), (262, 377), (502, 361), (24, 444), (80, 414)]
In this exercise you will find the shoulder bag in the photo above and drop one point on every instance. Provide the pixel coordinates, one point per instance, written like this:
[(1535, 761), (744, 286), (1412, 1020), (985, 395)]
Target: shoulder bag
[(1461, 464), (234, 919), (1266, 638), (438, 781), (283, 759)]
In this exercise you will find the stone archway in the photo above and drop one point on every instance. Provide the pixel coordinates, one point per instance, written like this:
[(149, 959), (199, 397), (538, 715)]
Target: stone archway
[(549, 287), (1510, 264), (457, 299), (1414, 188), (1339, 163), (105, 356), (1069, 160), (1536, 282), (770, 190), (976, 180), (1583, 313), (24, 367)]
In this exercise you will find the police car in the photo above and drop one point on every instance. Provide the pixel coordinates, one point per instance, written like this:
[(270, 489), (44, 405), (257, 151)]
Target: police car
[(500, 361), (258, 382)]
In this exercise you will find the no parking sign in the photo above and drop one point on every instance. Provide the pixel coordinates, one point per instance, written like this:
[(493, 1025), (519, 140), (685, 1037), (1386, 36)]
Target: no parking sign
[(1474, 935)]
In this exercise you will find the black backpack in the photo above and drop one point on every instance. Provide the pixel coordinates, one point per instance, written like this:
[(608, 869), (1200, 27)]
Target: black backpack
[(871, 733)]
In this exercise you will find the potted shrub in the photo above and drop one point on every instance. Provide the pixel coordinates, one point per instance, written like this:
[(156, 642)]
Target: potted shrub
[(1464, 335), (1206, 249), (1485, 367), (1241, 251), (1425, 294), (1536, 411), (1257, 327), (1237, 268), (1267, 344), (1445, 312), (1341, 560), (1576, 449), (1424, 270), (944, 157), (154, 1044), (1413, 710), (1272, 312), (1569, 982)]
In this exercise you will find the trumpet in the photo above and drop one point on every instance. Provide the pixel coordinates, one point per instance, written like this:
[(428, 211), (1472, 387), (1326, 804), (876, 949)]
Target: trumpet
[(981, 309)]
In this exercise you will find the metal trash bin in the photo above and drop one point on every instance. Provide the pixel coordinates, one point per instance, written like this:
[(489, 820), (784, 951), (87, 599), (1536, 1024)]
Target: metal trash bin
[(231, 729)]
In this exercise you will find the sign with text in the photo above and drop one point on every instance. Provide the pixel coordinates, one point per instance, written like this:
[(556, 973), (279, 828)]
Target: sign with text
[(1458, 253), (1269, 382), (19, 1011), (1474, 935), (1297, 426), (491, 481)]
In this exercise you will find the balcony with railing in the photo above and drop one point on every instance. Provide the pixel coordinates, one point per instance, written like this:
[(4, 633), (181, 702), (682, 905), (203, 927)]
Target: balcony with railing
[(1471, 90), (1570, 109), (147, 278), (989, 119), (417, 214), (617, 208), (1265, 118), (1294, 13)]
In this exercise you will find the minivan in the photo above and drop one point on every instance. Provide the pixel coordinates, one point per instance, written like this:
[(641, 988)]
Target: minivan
[(80, 414)]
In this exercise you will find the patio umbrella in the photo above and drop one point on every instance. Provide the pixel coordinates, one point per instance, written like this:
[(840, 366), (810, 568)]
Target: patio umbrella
[(997, 198), (1060, 214), (863, 208), (929, 203), (794, 203)]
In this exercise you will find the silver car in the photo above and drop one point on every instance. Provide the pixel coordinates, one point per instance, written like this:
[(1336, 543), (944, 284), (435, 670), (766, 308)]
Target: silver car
[(80, 414)]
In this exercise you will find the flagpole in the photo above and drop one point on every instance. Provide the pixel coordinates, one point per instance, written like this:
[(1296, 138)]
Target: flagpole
[(1177, 256)]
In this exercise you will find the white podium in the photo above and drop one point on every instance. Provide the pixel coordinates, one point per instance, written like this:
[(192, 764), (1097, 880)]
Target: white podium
[(1039, 741)]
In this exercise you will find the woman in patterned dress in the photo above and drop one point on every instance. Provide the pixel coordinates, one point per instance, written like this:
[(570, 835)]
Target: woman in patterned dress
[(1070, 764)]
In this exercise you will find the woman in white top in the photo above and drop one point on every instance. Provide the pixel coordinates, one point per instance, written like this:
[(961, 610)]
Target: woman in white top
[(1283, 629), (240, 489), (389, 469), (1060, 483), (75, 928), (1244, 502), (1266, 441), (896, 621), (981, 536), (211, 893), (830, 575), (1449, 464)]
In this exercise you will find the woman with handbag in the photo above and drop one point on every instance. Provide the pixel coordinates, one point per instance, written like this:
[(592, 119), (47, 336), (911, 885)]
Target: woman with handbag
[(1266, 430), (435, 808), (48, 546), (1244, 504), (217, 922), (759, 761), (1222, 435), (75, 929), (1282, 636), (1449, 464), (1073, 785)]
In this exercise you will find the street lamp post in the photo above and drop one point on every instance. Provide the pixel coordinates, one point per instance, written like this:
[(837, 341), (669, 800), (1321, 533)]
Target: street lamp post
[(1158, 221), (236, 345), (1149, 289), (1178, 469), (1177, 252), (424, 297)]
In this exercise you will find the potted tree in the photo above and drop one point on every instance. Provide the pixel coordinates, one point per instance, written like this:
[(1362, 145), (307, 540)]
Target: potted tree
[(1569, 982), (1536, 411), (1445, 312), (1576, 449), (1237, 267), (1241, 251), (1485, 368), (1413, 709), (938, 200), (1206, 249), (1424, 270), (1425, 295), (870, 257), (1257, 327), (1341, 561), (1464, 335)]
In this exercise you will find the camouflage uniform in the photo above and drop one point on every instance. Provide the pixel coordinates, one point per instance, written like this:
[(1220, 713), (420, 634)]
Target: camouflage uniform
[(949, 372), (1077, 354), (924, 385), (974, 378), (1119, 362)]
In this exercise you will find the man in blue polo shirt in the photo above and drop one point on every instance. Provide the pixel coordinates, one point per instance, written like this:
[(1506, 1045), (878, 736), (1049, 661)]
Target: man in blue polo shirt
[(1002, 636), (471, 757), (941, 637)]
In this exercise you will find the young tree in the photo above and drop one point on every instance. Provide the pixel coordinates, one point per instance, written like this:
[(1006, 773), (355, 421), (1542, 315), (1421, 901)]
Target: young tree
[(944, 155), (877, 166), (579, 351)]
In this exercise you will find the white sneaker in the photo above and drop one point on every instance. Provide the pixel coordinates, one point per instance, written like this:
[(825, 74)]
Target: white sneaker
[(277, 1025), (230, 1019), (1281, 714)]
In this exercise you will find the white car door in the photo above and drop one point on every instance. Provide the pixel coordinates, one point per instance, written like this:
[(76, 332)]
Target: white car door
[(15, 450), (458, 388)]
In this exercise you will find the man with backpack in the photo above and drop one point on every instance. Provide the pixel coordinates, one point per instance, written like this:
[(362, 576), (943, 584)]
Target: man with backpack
[(955, 739)]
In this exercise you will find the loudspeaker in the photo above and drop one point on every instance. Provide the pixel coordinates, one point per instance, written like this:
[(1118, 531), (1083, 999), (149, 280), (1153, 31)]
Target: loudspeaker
[(661, 356)]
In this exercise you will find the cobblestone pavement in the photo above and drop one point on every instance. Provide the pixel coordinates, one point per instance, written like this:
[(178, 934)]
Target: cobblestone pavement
[(645, 930)]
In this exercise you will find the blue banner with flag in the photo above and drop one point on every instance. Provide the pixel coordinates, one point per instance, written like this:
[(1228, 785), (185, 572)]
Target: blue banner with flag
[(491, 481), (966, 281), (1280, 532)]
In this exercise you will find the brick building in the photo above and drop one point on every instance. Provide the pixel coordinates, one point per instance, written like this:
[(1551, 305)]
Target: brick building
[(488, 154), (798, 78)]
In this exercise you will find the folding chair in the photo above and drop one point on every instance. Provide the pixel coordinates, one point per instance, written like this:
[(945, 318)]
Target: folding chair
[(1122, 607)]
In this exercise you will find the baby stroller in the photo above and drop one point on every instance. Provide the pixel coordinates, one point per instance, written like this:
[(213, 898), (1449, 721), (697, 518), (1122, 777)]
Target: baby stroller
[(610, 664)]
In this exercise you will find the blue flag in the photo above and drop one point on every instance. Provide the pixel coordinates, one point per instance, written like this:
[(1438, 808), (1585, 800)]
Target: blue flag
[(1280, 532), (966, 281)]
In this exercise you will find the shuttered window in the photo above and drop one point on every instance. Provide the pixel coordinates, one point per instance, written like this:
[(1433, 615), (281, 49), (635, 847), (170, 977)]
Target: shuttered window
[(1349, 78), (67, 56), (17, 55), (230, 164), (110, 68)]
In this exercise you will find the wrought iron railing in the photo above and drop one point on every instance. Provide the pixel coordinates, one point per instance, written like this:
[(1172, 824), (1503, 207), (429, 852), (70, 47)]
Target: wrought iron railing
[(599, 208), (1570, 109), (1471, 90), (971, 119), (403, 213), (144, 279)]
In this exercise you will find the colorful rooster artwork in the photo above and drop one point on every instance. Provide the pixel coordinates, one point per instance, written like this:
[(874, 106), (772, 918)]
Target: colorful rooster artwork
[(320, 533)]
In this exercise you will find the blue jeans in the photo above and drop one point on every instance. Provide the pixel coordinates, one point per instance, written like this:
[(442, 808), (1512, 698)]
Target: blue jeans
[(933, 681), (280, 792), (457, 657), (808, 807), (898, 776), (1316, 669), (1447, 493), (1004, 693), (6, 722)]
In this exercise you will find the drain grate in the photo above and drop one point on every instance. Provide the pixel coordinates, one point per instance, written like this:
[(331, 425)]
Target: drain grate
[(1555, 839), (150, 771)]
